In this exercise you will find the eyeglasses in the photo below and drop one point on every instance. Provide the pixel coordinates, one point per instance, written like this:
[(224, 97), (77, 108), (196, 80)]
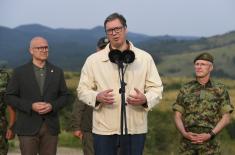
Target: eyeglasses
[(116, 29), (40, 48)]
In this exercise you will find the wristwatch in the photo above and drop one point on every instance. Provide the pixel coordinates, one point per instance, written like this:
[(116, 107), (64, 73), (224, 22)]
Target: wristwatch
[(212, 134)]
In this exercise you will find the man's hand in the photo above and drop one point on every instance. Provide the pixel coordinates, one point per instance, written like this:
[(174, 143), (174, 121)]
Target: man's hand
[(10, 134), (201, 138), (196, 138), (137, 98), (37, 106), (78, 134), (105, 97), (190, 136), (41, 107), (47, 108)]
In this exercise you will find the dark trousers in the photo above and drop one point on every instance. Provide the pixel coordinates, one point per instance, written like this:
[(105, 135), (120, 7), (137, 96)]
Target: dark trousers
[(119, 145), (43, 143), (87, 143)]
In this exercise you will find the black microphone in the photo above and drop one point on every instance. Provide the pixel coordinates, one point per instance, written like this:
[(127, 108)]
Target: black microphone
[(115, 56), (118, 57), (128, 56)]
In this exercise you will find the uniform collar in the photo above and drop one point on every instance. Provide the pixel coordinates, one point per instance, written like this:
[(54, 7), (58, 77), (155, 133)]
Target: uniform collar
[(209, 84)]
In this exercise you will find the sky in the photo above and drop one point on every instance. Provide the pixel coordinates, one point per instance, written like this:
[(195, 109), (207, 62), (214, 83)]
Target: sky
[(150, 17)]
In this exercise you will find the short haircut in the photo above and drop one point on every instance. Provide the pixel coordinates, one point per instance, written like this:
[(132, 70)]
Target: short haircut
[(115, 16)]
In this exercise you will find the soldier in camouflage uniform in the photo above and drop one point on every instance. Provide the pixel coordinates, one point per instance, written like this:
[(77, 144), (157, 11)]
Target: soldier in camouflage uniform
[(202, 110), (5, 133)]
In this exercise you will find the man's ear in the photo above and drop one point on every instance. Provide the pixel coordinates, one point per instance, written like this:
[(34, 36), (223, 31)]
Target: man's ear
[(30, 50), (211, 67), (126, 30)]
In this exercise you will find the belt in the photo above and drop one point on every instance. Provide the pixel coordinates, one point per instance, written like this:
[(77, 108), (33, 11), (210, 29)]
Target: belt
[(198, 129)]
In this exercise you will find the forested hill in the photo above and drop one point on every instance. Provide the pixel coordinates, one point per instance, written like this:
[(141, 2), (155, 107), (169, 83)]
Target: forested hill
[(168, 45), (70, 47), (179, 62)]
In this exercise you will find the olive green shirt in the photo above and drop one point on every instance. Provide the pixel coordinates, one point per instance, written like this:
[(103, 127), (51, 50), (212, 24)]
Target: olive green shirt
[(40, 74)]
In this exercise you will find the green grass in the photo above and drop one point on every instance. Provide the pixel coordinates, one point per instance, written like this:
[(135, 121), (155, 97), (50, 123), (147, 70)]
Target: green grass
[(67, 139)]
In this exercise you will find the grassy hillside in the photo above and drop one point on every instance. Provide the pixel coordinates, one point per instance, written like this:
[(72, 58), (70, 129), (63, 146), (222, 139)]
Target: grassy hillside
[(168, 45), (222, 40), (175, 57), (182, 64)]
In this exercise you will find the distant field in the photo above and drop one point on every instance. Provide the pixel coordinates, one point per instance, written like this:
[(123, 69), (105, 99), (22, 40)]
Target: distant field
[(171, 87)]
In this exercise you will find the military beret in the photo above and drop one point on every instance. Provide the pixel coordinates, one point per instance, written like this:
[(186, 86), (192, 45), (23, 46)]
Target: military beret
[(204, 56), (102, 42)]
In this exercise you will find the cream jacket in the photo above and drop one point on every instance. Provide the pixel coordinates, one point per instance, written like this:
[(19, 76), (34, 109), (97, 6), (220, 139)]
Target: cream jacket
[(99, 74)]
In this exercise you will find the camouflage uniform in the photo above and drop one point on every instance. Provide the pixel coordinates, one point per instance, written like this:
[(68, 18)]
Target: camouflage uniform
[(3, 120), (202, 107)]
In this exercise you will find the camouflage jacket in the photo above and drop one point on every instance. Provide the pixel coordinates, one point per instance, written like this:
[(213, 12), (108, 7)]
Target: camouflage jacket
[(202, 105), (3, 84)]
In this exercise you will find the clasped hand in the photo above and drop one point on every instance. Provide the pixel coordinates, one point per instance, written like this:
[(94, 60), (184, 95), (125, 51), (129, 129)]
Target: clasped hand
[(197, 138), (41, 107)]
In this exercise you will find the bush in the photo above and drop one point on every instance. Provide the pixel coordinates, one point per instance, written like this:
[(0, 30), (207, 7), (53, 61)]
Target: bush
[(160, 137)]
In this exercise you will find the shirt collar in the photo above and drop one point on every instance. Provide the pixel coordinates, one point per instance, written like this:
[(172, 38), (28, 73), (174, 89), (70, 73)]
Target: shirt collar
[(38, 68), (209, 84)]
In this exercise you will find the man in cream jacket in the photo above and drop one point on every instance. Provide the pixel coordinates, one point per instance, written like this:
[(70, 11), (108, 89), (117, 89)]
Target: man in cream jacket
[(99, 87)]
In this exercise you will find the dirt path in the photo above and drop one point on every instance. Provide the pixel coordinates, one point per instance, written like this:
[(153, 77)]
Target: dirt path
[(60, 151)]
